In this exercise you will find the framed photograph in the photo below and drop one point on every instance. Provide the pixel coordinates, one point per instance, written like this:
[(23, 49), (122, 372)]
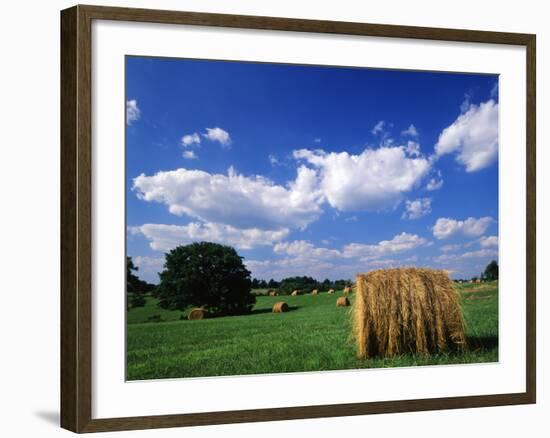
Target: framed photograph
[(270, 218)]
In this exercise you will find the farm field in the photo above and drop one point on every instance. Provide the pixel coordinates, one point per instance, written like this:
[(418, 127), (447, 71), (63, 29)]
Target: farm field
[(312, 336)]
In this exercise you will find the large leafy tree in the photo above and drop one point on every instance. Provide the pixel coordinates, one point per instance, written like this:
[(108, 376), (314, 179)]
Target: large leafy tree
[(205, 274), (491, 271)]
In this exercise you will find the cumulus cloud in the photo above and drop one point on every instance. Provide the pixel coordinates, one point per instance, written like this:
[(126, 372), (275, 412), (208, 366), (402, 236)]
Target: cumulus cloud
[(301, 257), (473, 136), (412, 148), (303, 248), (374, 180), (148, 267), (417, 208), (479, 254), (488, 241), (435, 183), (451, 247), (190, 155), (164, 237), (400, 243), (447, 227), (133, 112), (410, 131), (190, 139), (219, 135), (234, 199)]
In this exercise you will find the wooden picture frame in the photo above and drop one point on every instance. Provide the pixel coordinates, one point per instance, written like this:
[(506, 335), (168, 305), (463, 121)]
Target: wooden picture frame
[(76, 218)]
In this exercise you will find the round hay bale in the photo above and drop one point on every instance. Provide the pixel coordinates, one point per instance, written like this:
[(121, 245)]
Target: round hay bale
[(295, 293), (406, 310), (330, 291), (347, 290), (273, 293), (314, 292), (280, 307), (197, 313), (342, 302)]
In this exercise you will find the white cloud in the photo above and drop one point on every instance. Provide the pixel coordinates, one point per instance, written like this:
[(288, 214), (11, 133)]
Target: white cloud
[(473, 136), (303, 248), (417, 208), (400, 243), (374, 180), (273, 160), (479, 254), (447, 227), (466, 103), (148, 267), (219, 135), (379, 127), (190, 155), (435, 183), (233, 199), (451, 247), (302, 257), (413, 148), (488, 241), (190, 139), (165, 237), (133, 112), (148, 263), (410, 131)]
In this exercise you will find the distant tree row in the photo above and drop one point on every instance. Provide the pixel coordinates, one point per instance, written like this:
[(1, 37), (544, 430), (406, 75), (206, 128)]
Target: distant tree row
[(287, 285), (262, 284), (489, 274)]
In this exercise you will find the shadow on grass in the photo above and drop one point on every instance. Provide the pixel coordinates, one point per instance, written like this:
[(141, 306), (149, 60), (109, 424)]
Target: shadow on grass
[(482, 343), (266, 310)]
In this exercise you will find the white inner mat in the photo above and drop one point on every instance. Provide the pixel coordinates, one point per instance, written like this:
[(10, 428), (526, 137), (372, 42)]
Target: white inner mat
[(113, 397)]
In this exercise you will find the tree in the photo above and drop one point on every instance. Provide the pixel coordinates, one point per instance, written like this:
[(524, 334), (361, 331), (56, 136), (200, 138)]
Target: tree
[(135, 289), (272, 284), (208, 275), (491, 271), (287, 285)]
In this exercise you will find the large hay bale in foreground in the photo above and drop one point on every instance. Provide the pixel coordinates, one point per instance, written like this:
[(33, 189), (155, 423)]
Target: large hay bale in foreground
[(342, 302), (406, 310), (295, 293), (280, 307), (198, 313)]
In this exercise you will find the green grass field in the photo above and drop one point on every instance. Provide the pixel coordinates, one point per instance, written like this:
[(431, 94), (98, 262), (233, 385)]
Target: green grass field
[(312, 336)]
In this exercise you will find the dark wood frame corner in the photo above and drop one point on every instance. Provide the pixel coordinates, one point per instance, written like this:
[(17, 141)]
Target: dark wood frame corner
[(76, 238)]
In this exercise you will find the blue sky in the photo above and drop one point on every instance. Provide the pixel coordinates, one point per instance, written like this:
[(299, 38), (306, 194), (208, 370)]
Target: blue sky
[(311, 170)]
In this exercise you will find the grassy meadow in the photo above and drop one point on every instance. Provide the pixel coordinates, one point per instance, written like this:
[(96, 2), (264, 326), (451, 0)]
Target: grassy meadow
[(312, 336)]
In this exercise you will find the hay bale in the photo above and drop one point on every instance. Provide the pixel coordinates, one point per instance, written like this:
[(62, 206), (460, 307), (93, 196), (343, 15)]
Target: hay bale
[(342, 302), (197, 313), (314, 292), (280, 307), (295, 293), (406, 310), (347, 290), (330, 291), (273, 293)]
